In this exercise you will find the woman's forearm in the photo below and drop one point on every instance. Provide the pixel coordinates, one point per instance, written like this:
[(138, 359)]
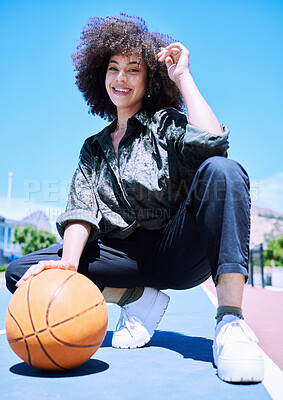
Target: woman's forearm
[(199, 112), (176, 58), (75, 237)]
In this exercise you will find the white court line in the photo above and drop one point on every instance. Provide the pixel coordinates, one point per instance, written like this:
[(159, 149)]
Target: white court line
[(211, 296), (273, 376)]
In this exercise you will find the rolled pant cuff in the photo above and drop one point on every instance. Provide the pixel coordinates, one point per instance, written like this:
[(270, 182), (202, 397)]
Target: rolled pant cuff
[(229, 268)]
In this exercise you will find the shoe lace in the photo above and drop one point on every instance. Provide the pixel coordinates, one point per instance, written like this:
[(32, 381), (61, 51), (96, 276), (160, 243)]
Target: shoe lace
[(236, 331), (126, 321)]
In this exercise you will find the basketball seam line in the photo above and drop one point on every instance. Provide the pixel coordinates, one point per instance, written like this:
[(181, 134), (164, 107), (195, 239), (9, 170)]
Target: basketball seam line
[(41, 345), (57, 291), (74, 345), (49, 327), (18, 325), (77, 315)]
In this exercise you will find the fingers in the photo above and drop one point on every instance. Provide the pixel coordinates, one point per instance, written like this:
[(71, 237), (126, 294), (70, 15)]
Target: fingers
[(164, 53), (169, 61), (174, 50), (33, 270), (177, 45), (59, 266), (43, 265)]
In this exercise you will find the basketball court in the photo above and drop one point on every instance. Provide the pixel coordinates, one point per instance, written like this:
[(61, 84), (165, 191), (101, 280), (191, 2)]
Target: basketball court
[(176, 364)]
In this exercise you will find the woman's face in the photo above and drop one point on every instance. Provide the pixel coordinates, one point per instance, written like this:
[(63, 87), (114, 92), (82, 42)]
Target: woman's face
[(125, 81)]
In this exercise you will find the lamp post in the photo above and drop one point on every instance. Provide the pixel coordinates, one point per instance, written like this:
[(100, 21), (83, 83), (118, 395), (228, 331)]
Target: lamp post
[(10, 177)]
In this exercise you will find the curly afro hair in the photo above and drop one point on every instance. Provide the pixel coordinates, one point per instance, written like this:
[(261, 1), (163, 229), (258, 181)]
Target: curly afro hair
[(104, 37)]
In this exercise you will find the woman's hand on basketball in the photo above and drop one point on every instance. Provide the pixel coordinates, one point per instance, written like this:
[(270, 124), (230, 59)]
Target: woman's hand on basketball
[(176, 58), (43, 265)]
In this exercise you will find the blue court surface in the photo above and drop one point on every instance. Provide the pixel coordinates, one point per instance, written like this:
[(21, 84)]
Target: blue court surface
[(176, 364)]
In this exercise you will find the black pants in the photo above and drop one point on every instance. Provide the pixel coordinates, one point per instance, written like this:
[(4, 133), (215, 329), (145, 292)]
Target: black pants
[(208, 235)]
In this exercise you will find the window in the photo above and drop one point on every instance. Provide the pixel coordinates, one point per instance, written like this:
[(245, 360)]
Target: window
[(9, 239)]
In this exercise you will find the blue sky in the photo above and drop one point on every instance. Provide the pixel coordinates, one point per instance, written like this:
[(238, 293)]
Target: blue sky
[(236, 60)]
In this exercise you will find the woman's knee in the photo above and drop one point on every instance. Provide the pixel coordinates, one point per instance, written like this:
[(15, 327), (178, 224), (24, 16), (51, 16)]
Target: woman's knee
[(219, 178), (224, 167), (13, 273), (17, 268)]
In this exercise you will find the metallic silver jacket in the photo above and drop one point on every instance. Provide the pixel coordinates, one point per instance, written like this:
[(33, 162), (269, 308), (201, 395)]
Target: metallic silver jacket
[(157, 159)]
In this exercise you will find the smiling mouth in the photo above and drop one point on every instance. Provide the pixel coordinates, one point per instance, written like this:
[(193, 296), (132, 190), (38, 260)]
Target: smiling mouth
[(121, 91)]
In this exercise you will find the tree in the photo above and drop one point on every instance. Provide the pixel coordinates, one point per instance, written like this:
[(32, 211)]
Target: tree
[(275, 250), (33, 239)]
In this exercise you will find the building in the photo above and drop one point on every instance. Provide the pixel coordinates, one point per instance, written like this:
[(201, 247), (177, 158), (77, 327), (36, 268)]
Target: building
[(7, 247), (7, 226)]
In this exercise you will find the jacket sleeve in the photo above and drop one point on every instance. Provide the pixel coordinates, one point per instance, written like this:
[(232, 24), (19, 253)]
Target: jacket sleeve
[(81, 204), (193, 145)]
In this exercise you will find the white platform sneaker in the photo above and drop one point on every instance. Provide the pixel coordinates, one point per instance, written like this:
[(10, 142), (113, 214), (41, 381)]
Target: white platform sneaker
[(139, 319), (236, 353)]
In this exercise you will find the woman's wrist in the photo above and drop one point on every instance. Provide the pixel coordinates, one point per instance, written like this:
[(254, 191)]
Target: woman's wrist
[(68, 263), (75, 237), (184, 81)]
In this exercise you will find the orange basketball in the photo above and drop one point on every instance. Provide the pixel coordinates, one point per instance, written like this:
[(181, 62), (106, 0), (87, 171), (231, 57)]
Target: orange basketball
[(56, 320)]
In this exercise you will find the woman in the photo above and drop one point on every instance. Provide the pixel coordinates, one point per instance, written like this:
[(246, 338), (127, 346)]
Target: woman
[(154, 203)]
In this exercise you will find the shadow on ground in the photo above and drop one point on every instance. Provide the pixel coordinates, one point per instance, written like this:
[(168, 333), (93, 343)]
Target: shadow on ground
[(196, 348), (88, 368)]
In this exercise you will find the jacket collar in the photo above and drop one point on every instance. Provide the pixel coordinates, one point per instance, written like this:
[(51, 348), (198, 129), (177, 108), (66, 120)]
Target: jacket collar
[(141, 116)]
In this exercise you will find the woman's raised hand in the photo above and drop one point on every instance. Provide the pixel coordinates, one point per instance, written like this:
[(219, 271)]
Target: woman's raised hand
[(43, 265), (176, 58)]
